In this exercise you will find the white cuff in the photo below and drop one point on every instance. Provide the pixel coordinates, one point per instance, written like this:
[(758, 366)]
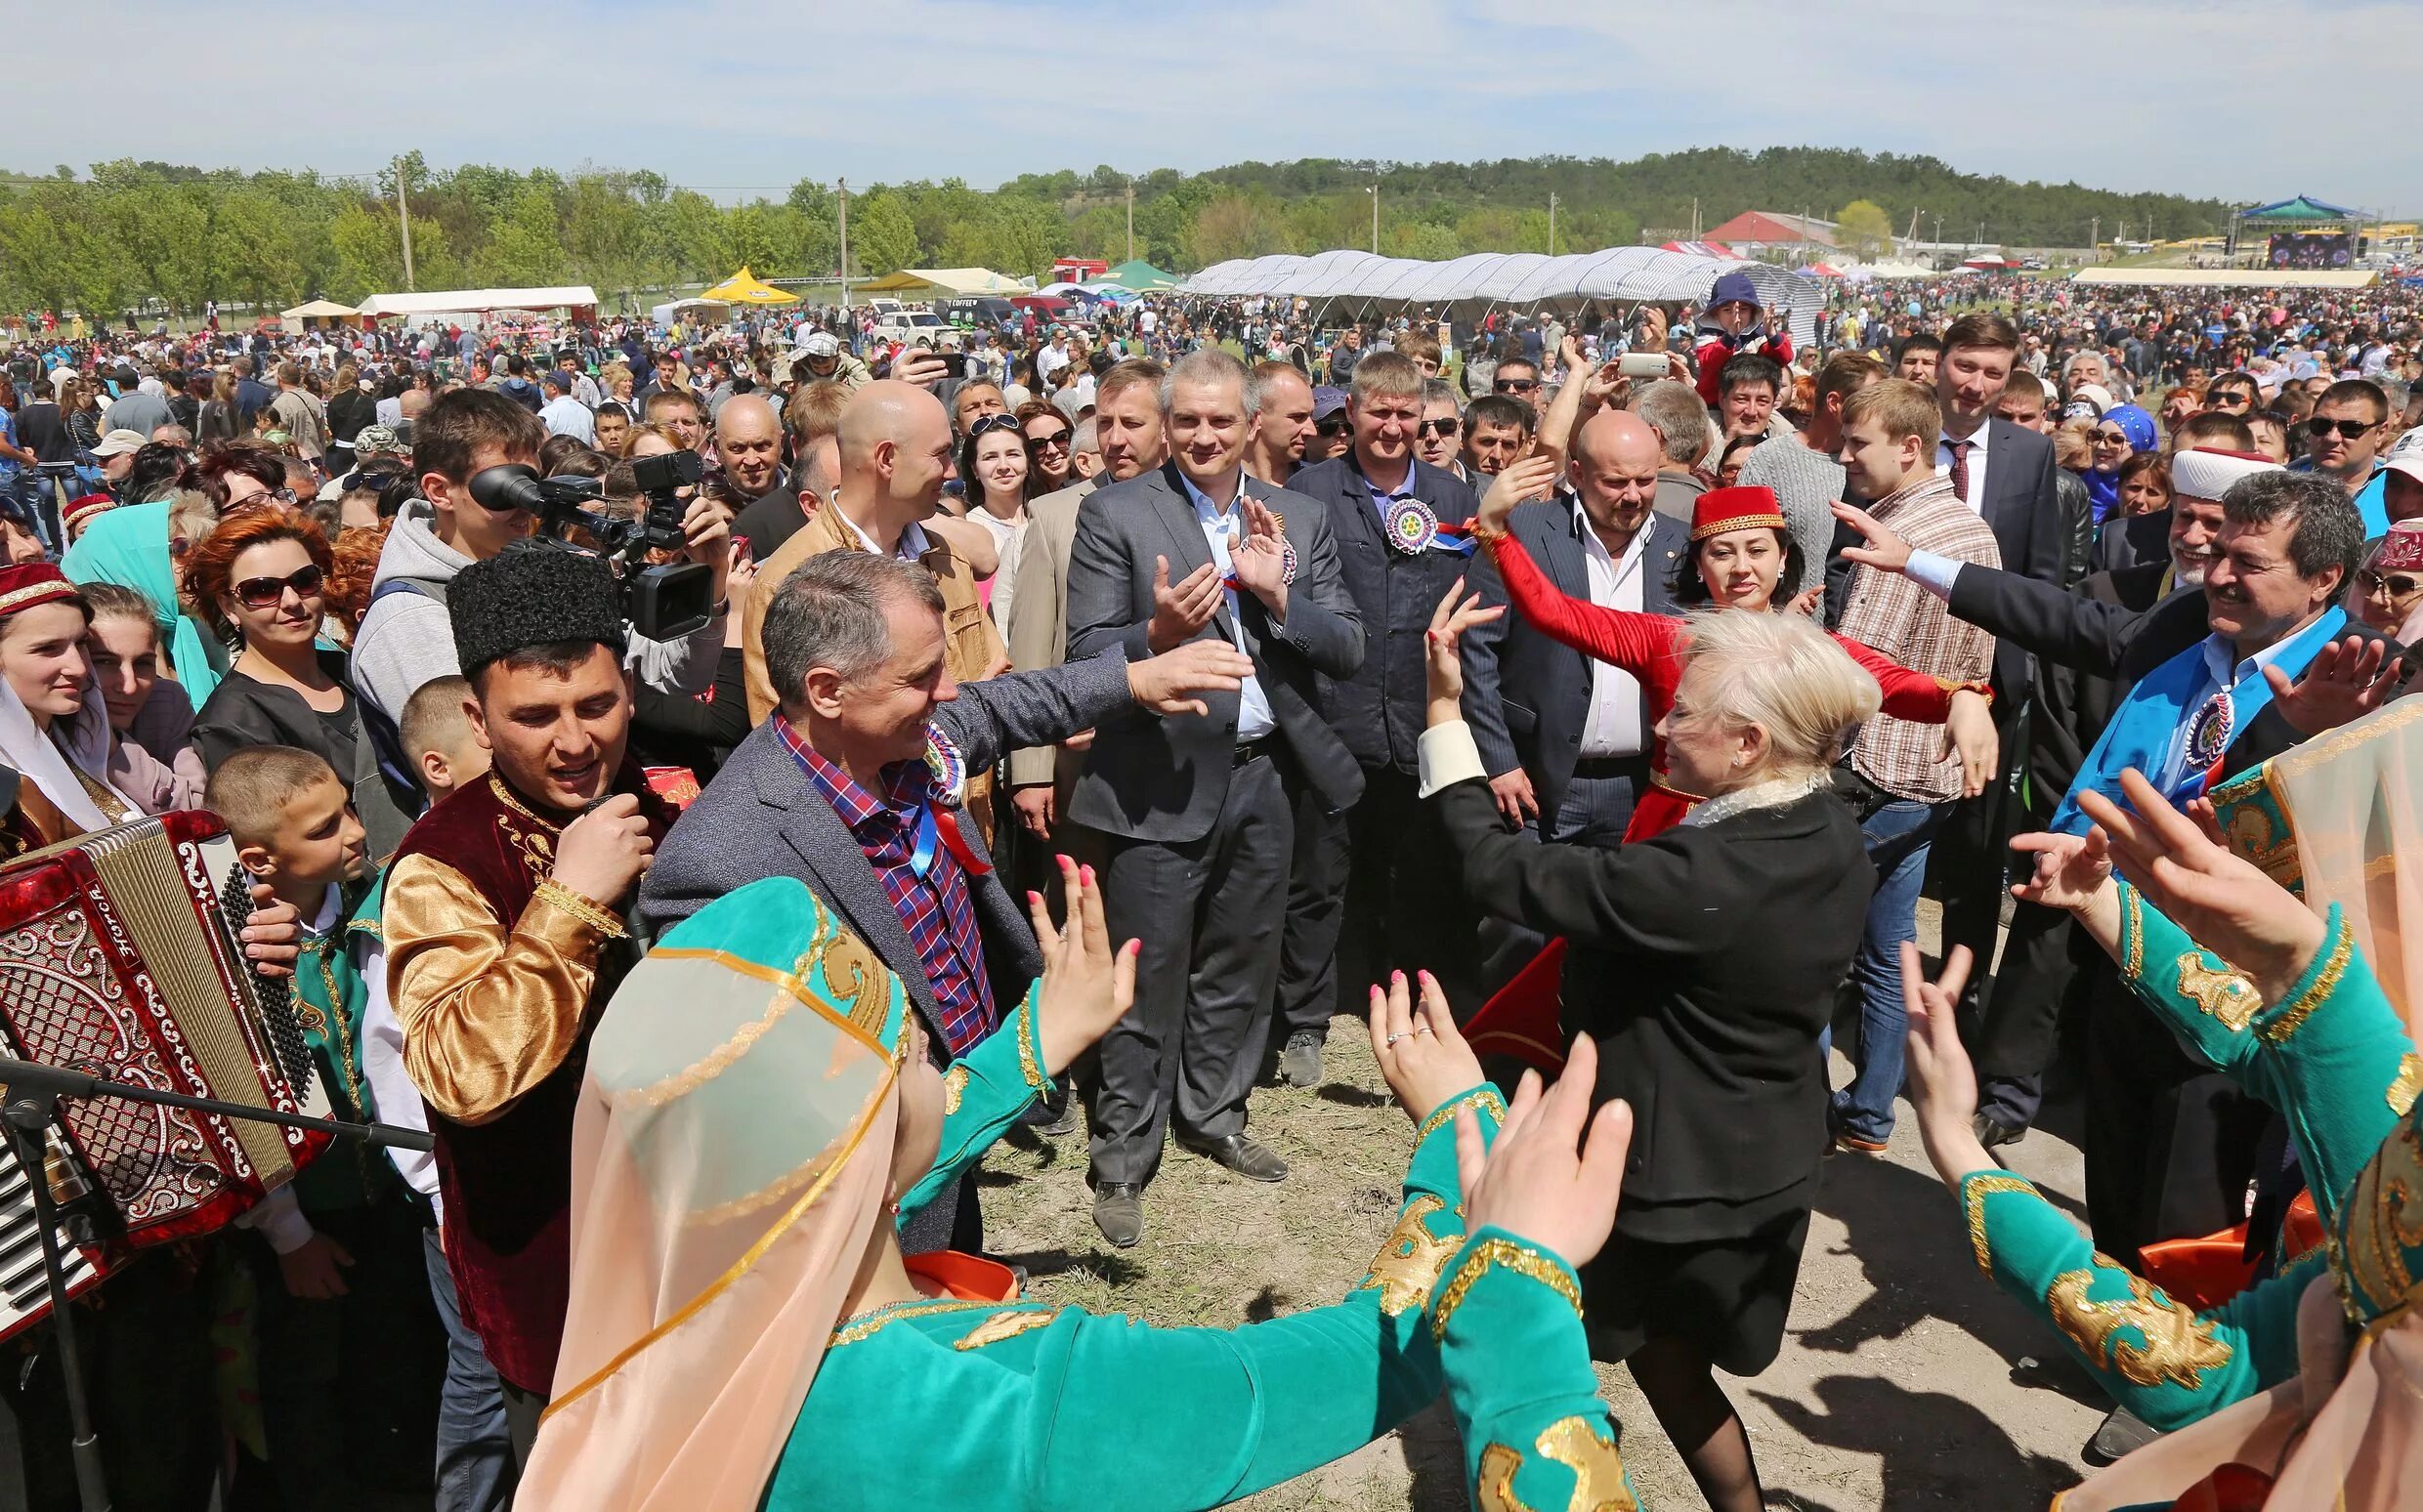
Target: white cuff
[(1934, 574), (1448, 755), (280, 1219)]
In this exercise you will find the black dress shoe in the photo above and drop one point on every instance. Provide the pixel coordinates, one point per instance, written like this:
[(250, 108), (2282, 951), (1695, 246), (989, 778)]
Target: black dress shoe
[(2123, 1434), (1055, 1115), (1992, 1131), (1300, 1064), (1119, 1212), (1239, 1153)]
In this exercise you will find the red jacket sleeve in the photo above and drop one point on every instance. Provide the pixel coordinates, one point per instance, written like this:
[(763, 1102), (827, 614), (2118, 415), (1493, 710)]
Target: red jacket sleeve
[(1711, 356), (1635, 643), (1919, 696)]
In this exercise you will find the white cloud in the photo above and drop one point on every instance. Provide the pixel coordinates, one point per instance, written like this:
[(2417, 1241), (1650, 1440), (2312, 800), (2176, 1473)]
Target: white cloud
[(2231, 97)]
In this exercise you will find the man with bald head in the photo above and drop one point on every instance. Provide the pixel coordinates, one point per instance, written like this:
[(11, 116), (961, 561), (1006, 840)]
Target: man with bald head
[(1376, 888), (896, 453), (1565, 738), (748, 442)]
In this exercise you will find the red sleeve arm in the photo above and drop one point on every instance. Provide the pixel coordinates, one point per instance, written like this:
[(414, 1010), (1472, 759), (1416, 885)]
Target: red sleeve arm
[(1618, 637), (1918, 696)]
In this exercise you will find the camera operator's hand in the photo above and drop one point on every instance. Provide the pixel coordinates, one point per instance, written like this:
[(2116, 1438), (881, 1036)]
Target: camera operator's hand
[(604, 853), (707, 527)]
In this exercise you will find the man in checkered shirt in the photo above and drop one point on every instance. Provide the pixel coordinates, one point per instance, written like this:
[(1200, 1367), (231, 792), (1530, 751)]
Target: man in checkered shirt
[(1910, 774)]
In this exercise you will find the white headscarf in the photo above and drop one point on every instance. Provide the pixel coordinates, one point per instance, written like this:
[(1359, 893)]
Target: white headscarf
[(44, 759)]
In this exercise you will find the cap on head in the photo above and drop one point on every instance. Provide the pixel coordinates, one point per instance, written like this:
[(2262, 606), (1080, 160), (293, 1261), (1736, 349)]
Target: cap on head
[(532, 593), (1720, 509)]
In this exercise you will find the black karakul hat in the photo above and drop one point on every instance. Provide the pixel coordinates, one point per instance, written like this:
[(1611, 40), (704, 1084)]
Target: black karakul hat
[(532, 593)]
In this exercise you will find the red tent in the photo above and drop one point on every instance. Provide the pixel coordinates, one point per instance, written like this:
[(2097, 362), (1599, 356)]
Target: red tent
[(1716, 249), (1049, 306)]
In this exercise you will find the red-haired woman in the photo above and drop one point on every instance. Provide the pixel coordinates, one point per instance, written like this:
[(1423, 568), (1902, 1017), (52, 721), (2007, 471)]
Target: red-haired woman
[(263, 577)]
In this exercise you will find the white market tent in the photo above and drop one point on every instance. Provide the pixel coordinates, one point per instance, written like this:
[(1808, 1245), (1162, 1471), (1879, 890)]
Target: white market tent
[(2227, 277), (1857, 271), (1629, 274), (577, 296)]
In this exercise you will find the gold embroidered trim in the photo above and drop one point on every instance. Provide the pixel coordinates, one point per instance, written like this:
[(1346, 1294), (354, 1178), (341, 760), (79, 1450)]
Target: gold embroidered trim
[(1445, 1113), (2220, 995), (1408, 1265), (1497, 1252), (868, 1325), (1973, 1195), (2179, 1348), (1007, 1326), (1493, 1488), (49, 588), (2408, 1084), (953, 1088), (2297, 1009), (505, 795), (1573, 1443), (581, 908), (2131, 934), (1030, 1059)]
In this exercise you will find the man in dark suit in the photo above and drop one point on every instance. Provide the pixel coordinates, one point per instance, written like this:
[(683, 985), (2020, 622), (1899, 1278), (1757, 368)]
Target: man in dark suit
[(1566, 738), (853, 784), (2169, 1147), (1371, 889), (1196, 810)]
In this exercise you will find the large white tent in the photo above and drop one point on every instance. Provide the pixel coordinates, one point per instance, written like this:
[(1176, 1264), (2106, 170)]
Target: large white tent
[(1630, 275), (480, 301)]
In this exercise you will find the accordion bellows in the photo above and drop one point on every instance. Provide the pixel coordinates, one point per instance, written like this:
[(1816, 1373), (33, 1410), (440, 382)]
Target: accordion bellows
[(116, 960)]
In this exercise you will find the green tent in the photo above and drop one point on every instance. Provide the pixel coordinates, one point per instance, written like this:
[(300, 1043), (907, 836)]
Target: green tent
[(1139, 275), (2303, 208)]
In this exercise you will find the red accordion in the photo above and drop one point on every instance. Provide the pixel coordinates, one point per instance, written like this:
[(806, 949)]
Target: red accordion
[(120, 958)]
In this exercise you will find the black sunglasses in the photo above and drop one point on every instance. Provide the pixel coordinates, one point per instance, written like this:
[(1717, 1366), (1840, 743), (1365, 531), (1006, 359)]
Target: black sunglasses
[(2230, 396), (2317, 427), (1446, 426), (1059, 439), (1335, 425), (1514, 385), (267, 593), (2402, 585)]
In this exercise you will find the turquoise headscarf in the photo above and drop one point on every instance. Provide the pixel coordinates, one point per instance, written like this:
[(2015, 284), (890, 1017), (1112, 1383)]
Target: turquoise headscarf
[(129, 546)]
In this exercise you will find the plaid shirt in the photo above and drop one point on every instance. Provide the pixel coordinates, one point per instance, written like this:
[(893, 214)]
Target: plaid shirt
[(1903, 620), (936, 908)]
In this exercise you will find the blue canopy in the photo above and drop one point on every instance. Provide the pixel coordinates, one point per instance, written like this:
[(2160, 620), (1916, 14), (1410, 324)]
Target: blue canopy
[(2305, 207)]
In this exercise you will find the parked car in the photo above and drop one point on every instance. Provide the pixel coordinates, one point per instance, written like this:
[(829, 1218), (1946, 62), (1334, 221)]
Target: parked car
[(980, 312), (912, 327)]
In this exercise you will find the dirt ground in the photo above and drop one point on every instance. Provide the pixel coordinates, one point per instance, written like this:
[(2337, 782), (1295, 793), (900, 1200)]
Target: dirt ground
[(1906, 1379)]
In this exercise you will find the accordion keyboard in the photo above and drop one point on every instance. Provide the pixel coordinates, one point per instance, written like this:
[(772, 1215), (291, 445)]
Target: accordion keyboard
[(24, 1299)]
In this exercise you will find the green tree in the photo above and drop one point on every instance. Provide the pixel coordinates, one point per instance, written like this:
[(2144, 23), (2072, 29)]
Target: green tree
[(1236, 226), (1862, 232), (883, 239)]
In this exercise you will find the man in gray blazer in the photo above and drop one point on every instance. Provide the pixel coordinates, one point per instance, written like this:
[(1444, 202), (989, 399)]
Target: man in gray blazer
[(852, 786), (1196, 809)]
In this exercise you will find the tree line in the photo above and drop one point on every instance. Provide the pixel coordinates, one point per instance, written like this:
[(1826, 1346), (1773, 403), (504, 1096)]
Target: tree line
[(128, 234)]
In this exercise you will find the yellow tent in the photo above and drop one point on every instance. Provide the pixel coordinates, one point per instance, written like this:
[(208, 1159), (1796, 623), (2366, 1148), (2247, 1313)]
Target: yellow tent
[(747, 288)]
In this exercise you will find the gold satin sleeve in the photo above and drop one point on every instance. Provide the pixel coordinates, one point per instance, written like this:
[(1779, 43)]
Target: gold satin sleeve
[(486, 1013)]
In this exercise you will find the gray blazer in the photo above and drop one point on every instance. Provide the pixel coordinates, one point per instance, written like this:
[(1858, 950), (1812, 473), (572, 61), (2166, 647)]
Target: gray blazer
[(1149, 778), (761, 817)]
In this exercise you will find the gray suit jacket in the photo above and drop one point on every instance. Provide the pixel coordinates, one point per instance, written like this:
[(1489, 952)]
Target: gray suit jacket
[(1150, 778), (761, 817), (1038, 632)]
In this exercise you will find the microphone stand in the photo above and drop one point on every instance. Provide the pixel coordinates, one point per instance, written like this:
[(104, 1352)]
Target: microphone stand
[(33, 1091)]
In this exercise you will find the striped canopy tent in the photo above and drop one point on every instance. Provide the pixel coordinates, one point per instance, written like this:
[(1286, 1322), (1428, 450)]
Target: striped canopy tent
[(1617, 275), (747, 288), (1715, 249)]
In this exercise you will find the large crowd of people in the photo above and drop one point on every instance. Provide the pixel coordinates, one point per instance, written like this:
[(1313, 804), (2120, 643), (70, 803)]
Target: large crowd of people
[(1066, 723)]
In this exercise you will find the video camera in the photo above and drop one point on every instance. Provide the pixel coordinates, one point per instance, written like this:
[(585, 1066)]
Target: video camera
[(662, 602)]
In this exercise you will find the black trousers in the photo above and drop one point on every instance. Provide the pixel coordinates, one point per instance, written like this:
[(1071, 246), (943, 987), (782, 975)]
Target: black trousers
[(2170, 1144), (1372, 890)]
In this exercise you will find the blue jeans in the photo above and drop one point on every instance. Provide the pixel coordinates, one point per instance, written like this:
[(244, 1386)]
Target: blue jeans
[(1898, 836), (475, 1457)]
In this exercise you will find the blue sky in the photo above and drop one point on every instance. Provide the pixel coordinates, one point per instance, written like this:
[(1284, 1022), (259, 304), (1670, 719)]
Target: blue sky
[(738, 95)]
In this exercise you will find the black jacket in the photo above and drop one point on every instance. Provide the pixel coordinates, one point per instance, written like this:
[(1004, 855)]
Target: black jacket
[(1703, 961), (1378, 710), (1527, 697), (242, 711)]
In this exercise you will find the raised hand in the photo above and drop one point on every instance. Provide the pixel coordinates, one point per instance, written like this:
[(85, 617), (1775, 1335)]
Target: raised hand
[(1165, 683), (1540, 1182), (2071, 870), (2226, 902), (1885, 551), (2346, 681), (1455, 613), (604, 853), (1532, 477), (1421, 1056), (1181, 609), (1087, 987), (1260, 560), (1943, 1084)]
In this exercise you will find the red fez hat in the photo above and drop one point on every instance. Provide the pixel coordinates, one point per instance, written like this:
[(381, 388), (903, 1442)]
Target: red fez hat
[(36, 582), (86, 508), (2402, 550), (1720, 509)]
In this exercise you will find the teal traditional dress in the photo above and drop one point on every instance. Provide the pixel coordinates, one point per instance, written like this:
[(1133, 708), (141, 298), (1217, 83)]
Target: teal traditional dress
[(731, 1154), (330, 997), (2331, 1055)]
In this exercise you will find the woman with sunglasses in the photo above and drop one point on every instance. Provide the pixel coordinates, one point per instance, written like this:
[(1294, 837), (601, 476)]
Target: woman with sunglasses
[(2122, 433), (2387, 591), (261, 578), (1048, 435), (995, 466)]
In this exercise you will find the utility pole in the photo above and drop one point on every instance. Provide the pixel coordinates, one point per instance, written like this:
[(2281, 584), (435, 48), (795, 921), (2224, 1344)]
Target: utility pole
[(2095, 239), (1551, 222), (1939, 230), (403, 219), (1373, 189), (1131, 220), (845, 244), (1695, 218)]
